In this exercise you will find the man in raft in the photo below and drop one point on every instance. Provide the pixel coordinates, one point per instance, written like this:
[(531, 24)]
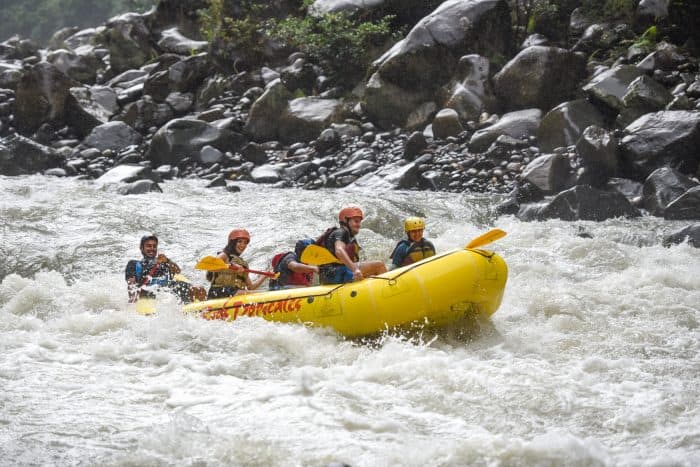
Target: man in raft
[(154, 271), (341, 242)]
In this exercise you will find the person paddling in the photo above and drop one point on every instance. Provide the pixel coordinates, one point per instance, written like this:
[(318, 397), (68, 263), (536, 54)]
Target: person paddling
[(292, 272), (414, 247), (154, 271), (341, 242), (234, 279)]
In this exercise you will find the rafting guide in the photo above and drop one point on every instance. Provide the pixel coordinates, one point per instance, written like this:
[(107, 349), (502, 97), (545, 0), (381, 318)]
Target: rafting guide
[(154, 271)]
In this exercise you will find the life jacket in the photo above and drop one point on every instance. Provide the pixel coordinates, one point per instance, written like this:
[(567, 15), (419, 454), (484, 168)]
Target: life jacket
[(157, 274), (286, 275), (352, 248), (230, 279), (416, 251)]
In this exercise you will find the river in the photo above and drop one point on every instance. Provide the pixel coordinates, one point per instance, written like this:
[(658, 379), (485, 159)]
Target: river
[(592, 358)]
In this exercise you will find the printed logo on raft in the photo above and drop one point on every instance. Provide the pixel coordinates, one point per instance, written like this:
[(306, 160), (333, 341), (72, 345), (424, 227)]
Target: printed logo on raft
[(233, 308)]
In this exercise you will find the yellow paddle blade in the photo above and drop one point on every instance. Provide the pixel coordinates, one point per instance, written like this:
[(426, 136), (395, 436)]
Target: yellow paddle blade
[(211, 263), (181, 278), (316, 255), (145, 306), (485, 239)]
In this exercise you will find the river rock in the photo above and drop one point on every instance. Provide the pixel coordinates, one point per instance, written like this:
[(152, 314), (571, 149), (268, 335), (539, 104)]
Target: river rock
[(265, 111), (126, 173), (129, 42), (609, 87), (185, 137), (470, 93), (519, 124), (584, 202), (112, 135), (644, 95), (173, 41), (427, 57), (686, 206), (539, 77), (691, 234), (563, 125), (306, 117), (140, 187), (20, 155), (81, 65), (548, 172), (666, 138), (597, 148), (662, 187), (446, 124)]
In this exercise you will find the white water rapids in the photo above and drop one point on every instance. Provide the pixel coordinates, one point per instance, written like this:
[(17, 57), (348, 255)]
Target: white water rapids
[(592, 358)]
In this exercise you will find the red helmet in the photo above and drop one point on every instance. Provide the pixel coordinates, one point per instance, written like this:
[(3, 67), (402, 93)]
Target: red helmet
[(349, 212), (239, 233)]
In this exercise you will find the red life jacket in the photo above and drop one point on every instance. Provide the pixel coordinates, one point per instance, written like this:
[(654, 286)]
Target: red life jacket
[(287, 276)]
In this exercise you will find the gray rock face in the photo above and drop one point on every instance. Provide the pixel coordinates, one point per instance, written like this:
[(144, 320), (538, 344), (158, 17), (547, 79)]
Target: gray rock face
[(564, 124), (427, 57), (520, 124), (470, 91), (265, 111), (583, 202), (112, 135), (446, 124), (608, 88), (549, 173), (125, 173), (99, 102), (20, 155), (598, 150), (644, 95), (691, 234), (663, 187), (81, 67), (173, 41), (667, 138), (129, 42), (539, 77), (686, 206), (306, 117), (184, 137)]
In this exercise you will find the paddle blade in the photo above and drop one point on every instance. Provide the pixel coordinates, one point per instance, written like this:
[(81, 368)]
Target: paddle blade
[(211, 263), (485, 239), (317, 255)]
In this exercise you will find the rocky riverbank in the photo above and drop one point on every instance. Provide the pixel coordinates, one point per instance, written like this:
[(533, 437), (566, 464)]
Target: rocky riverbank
[(601, 123)]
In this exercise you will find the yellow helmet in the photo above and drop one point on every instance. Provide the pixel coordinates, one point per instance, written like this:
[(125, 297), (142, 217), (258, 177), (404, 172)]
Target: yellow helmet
[(413, 223)]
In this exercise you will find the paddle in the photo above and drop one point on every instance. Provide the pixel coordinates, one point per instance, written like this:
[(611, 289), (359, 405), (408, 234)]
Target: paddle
[(317, 255), (484, 239), (213, 263)]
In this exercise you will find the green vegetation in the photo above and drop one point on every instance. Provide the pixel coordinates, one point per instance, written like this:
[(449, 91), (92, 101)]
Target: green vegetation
[(340, 43), (39, 19)]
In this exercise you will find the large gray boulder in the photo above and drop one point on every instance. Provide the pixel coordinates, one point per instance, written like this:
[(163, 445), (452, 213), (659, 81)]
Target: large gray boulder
[(262, 117), (667, 138), (598, 150), (662, 187), (20, 155), (128, 39), (563, 125), (609, 87), (691, 234), (173, 41), (644, 95), (306, 117), (44, 95), (549, 173), (81, 65), (184, 137), (112, 135), (584, 202), (470, 93), (519, 124), (427, 57), (539, 77), (686, 206)]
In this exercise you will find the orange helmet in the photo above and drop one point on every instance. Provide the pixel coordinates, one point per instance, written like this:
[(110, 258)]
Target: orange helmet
[(239, 233), (349, 212)]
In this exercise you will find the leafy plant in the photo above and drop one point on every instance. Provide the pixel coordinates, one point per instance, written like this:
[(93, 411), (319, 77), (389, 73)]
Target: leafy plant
[(336, 41)]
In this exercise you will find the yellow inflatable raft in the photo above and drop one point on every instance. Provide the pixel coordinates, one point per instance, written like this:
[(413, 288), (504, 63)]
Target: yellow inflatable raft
[(432, 293)]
